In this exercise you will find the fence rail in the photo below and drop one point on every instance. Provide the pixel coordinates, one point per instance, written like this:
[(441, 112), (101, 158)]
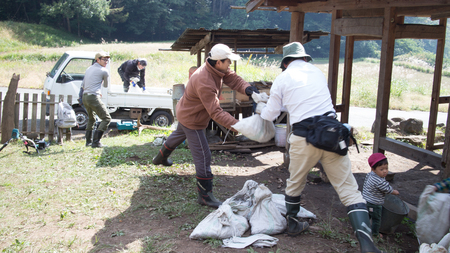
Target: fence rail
[(30, 116)]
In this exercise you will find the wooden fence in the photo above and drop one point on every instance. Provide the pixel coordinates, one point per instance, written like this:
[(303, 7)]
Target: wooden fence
[(30, 116)]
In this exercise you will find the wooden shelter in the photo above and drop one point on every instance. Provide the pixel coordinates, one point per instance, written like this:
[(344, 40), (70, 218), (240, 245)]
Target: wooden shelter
[(271, 41), (377, 20)]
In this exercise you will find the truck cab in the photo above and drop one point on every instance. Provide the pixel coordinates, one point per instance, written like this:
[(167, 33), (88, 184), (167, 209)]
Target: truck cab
[(65, 78)]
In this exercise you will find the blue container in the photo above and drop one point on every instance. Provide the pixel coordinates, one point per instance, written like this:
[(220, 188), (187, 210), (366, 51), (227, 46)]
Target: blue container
[(127, 125)]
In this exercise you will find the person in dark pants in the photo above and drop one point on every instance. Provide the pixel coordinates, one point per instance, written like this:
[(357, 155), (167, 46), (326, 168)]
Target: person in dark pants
[(95, 76), (198, 105), (132, 69)]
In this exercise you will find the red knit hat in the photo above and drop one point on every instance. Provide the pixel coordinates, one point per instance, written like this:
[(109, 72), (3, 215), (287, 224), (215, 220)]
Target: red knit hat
[(376, 157)]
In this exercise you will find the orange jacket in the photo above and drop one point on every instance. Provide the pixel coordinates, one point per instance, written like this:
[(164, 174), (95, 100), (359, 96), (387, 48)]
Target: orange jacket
[(200, 101)]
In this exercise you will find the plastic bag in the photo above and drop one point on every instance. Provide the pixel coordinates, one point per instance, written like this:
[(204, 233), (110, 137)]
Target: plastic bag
[(220, 224), (279, 200), (266, 218), (66, 116), (242, 202), (432, 215), (256, 128)]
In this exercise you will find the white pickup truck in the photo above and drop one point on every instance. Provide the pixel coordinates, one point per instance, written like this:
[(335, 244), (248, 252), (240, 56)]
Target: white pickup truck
[(155, 104)]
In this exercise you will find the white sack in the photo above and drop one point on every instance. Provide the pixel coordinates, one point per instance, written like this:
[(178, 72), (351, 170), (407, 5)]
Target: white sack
[(433, 248), (432, 216), (445, 242), (260, 97), (220, 224), (266, 218), (256, 128), (66, 116), (259, 240), (242, 202), (279, 200)]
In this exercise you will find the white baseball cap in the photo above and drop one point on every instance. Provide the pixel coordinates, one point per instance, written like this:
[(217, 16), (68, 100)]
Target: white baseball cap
[(222, 51)]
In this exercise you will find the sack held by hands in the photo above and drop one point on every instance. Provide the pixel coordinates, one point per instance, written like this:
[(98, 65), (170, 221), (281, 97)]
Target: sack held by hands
[(326, 133)]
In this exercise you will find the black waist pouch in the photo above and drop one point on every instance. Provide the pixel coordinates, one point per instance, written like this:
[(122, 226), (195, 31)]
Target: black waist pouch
[(325, 132)]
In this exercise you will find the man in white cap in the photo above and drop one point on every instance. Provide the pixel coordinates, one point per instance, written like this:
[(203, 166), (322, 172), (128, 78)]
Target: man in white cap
[(95, 75), (303, 90), (198, 105)]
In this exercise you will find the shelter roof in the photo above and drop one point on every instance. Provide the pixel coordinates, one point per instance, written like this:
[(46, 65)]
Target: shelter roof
[(194, 40)]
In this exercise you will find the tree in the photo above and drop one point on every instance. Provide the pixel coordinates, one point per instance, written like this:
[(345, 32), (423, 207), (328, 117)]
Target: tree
[(78, 10)]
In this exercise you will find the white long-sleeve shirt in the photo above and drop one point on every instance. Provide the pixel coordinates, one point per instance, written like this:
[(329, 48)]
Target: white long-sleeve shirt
[(302, 89)]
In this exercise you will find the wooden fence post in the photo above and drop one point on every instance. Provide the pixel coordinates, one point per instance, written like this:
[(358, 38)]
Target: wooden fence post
[(8, 109)]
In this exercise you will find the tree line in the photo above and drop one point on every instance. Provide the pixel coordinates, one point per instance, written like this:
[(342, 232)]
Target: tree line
[(161, 20)]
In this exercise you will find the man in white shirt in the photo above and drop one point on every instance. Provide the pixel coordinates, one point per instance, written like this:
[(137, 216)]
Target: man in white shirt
[(303, 91)]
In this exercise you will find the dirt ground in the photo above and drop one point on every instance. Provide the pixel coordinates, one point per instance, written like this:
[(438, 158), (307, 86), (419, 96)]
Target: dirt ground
[(265, 165)]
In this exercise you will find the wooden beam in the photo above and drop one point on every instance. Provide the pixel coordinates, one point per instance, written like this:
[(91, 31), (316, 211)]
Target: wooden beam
[(253, 5), (423, 11), (385, 76), (359, 27), (297, 24), (440, 15), (330, 5), (415, 31), (201, 44), (411, 152)]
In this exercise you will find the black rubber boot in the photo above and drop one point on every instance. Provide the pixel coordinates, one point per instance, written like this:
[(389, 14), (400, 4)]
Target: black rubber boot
[(88, 138), (294, 226), (359, 218), (163, 157), (205, 195), (96, 139)]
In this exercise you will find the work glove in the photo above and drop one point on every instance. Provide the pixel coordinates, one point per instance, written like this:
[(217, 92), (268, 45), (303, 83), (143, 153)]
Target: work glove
[(143, 88), (250, 89)]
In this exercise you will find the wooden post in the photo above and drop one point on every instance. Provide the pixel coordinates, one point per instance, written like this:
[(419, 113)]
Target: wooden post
[(348, 65), (17, 110), (297, 24), (8, 109), (446, 151), (1, 103), (384, 80), (26, 98), (42, 119), (51, 119), (34, 113), (435, 94), (333, 67)]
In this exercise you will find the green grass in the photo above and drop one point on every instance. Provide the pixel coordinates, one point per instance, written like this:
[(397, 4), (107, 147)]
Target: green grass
[(73, 188)]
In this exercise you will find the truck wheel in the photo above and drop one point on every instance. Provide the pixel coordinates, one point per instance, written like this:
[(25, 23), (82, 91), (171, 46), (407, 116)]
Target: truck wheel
[(82, 118), (161, 118)]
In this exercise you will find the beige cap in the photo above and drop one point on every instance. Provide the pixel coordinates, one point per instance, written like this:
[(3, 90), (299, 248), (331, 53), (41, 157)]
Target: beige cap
[(102, 55), (222, 51)]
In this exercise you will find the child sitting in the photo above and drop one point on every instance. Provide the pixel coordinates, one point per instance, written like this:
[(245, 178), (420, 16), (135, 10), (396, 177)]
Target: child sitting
[(375, 188)]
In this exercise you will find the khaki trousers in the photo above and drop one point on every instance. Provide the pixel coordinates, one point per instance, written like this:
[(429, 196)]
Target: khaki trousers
[(304, 156)]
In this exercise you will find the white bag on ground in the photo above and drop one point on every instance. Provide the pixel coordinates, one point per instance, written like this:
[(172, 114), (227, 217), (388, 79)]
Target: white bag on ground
[(433, 248), (66, 116), (242, 202), (220, 224), (432, 216), (266, 218), (279, 200), (256, 128), (259, 240)]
